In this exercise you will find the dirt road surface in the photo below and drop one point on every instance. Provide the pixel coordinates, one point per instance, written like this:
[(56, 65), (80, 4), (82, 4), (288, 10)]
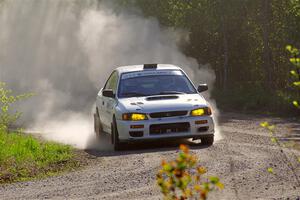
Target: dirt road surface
[(240, 159)]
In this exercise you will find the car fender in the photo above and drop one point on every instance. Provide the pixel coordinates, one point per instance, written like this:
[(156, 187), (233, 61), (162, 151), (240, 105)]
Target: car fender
[(118, 111)]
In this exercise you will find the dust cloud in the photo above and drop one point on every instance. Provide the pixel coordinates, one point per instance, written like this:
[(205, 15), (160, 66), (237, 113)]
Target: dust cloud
[(64, 50)]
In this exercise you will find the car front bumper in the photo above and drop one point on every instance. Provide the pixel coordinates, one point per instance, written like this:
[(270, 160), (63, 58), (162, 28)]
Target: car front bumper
[(195, 131)]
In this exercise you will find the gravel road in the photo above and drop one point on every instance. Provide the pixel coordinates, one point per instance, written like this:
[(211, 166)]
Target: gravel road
[(240, 159)]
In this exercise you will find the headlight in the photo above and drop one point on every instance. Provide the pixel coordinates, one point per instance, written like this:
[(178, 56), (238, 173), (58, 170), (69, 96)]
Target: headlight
[(201, 111), (134, 116)]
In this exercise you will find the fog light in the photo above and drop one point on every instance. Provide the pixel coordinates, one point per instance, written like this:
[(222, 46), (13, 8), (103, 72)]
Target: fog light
[(137, 126), (203, 129), (201, 122), (136, 133)]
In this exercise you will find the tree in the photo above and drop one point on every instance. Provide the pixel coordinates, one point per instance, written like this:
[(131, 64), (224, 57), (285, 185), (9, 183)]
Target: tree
[(243, 41)]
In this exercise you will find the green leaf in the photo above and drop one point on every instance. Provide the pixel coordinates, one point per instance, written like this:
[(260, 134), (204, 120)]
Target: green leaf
[(182, 155), (294, 73), (296, 104), (295, 61), (271, 128), (294, 51), (274, 140), (205, 185), (182, 166), (264, 124), (297, 83), (167, 167), (270, 170), (220, 185), (214, 179)]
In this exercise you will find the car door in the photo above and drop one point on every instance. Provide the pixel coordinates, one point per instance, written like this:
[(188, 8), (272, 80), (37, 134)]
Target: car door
[(108, 103)]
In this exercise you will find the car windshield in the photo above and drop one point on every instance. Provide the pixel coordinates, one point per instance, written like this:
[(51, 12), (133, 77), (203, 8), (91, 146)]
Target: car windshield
[(147, 84)]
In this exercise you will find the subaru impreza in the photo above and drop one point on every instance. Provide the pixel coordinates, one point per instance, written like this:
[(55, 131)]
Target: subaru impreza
[(152, 102)]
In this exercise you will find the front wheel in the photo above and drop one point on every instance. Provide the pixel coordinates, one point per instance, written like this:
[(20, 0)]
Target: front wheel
[(115, 137), (208, 140), (97, 124)]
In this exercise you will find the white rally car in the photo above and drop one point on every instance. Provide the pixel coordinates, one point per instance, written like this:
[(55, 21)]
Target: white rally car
[(152, 102)]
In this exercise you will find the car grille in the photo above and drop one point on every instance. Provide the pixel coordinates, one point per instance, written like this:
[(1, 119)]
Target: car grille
[(169, 128), (168, 114)]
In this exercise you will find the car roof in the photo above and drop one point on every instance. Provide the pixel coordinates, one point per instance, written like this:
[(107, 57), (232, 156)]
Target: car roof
[(134, 68)]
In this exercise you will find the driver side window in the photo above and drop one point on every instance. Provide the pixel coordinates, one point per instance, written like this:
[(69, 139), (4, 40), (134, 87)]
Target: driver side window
[(112, 82)]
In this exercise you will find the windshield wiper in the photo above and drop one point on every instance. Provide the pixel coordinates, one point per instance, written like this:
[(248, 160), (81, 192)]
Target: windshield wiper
[(133, 94), (170, 92)]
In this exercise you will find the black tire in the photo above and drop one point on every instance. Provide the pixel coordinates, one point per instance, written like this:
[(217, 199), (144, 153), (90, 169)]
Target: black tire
[(207, 140), (97, 124), (115, 137)]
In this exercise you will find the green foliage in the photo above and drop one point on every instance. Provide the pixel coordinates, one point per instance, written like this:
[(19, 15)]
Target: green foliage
[(295, 73), (242, 40), (256, 99), (7, 115), (182, 179), (23, 157)]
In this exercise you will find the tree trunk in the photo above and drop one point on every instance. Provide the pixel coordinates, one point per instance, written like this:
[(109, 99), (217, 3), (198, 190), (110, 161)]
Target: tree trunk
[(226, 53), (225, 43), (267, 53)]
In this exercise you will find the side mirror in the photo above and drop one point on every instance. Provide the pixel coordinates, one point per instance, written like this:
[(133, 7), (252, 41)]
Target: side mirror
[(108, 93), (100, 92), (202, 88)]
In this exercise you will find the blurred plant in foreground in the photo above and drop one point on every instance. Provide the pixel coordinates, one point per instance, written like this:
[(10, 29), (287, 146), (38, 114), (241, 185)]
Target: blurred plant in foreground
[(7, 99), (183, 179)]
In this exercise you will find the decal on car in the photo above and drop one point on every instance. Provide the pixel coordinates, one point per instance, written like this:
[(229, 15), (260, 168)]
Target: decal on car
[(151, 73)]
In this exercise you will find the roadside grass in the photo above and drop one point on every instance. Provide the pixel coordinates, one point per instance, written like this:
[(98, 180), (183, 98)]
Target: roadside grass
[(23, 157)]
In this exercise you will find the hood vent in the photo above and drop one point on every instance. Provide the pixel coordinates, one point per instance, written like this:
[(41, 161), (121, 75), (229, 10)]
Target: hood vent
[(161, 98)]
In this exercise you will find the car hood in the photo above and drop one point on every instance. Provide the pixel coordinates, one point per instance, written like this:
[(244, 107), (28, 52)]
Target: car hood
[(162, 103)]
